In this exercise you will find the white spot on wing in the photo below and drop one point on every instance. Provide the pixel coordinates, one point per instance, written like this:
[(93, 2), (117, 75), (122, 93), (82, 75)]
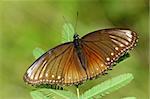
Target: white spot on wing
[(52, 76), (116, 48), (36, 77), (46, 74), (40, 76), (127, 43), (108, 59), (59, 77), (121, 45), (69, 77), (112, 54), (129, 39)]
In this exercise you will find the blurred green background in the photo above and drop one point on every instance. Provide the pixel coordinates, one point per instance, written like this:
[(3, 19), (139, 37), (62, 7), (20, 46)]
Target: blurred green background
[(25, 25)]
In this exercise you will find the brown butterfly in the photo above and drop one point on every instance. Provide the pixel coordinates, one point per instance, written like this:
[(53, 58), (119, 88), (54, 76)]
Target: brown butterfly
[(72, 63)]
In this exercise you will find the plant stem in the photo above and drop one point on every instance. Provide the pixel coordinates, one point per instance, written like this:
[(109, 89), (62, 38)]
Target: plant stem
[(78, 94)]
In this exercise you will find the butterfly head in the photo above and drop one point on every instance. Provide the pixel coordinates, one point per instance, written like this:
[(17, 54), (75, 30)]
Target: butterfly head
[(76, 36)]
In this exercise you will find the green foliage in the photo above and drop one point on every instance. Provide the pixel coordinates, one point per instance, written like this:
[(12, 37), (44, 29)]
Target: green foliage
[(129, 98), (108, 86), (67, 33), (38, 95), (37, 52), (52, 94)]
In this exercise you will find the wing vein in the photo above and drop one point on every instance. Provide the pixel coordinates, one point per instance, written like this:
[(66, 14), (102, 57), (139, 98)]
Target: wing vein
[(103, 59)]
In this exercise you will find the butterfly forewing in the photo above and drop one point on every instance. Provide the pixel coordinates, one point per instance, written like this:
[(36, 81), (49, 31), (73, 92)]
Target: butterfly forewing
[(59, 66), (103, 48)]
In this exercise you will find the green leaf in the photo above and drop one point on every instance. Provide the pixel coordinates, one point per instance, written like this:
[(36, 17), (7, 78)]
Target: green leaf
[(67, 33), (108, 86), (52, 94), (37, 52), (37, 95), (129, 98)]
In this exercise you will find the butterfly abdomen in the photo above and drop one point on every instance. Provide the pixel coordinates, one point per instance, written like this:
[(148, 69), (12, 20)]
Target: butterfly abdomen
[(78, 49)]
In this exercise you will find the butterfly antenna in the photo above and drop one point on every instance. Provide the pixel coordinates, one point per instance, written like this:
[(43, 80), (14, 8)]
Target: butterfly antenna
[(75, 27)]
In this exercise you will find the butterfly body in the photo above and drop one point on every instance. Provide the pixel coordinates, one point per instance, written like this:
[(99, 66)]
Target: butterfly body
[(78, 50), (84, 58)]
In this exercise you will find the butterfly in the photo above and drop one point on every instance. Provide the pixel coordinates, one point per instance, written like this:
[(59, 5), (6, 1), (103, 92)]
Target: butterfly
[(84, 58)]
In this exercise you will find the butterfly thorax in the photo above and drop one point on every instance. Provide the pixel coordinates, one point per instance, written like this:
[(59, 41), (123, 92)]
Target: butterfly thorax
[(76, 40), (78, 48)]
